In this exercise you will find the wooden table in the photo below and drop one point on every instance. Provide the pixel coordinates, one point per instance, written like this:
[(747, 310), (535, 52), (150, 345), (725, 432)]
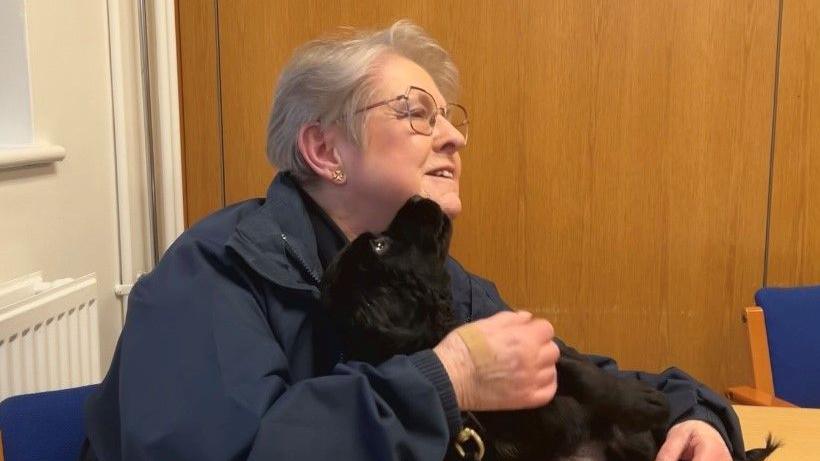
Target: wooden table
[(797, 428)]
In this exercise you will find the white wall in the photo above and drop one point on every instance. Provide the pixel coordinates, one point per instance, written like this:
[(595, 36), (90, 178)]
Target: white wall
[(62, 218)]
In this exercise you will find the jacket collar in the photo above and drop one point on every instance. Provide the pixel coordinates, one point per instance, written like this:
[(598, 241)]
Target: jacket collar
[(278, 241)]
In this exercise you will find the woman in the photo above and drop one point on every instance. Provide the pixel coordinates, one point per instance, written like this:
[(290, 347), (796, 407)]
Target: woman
[(226, 353)]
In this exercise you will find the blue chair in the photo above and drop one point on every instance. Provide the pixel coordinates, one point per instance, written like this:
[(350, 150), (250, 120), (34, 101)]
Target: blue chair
[(47, 426), (784, 341)]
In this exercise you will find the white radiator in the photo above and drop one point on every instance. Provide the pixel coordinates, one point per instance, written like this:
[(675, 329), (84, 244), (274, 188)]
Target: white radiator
[(49, 334)]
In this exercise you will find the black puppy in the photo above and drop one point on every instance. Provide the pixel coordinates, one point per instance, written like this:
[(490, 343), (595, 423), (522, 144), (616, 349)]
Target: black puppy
[(390, 294)]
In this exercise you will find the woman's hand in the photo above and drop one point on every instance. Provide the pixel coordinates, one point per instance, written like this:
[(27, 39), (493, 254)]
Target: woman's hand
[(695, 441), (509, 364)]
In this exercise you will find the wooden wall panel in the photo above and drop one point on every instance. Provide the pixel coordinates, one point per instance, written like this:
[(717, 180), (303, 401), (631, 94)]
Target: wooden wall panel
[(616, 177), (199, 108), (644, 177), (616, 182), (794, 242)]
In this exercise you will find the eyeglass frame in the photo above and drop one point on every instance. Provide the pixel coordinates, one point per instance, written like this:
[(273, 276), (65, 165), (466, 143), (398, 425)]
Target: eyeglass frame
[(443, 111)]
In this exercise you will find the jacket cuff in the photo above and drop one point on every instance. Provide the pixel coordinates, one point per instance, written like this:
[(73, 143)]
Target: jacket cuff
[(430, 366), (702, 413)]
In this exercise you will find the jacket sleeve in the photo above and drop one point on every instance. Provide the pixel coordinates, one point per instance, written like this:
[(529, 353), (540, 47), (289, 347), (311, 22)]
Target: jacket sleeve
[(359, 412), (200, 375), (688, 398)]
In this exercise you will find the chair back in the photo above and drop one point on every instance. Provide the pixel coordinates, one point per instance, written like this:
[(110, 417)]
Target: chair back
[(793, 328), (44, 426)]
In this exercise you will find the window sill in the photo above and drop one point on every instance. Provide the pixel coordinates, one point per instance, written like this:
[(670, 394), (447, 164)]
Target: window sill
[(30, 155)]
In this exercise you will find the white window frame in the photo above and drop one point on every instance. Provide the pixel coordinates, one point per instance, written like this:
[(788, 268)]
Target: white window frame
[(17, 146)]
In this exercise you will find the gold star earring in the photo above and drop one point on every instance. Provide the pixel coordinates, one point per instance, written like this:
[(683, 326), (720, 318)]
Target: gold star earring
[(339, 176)]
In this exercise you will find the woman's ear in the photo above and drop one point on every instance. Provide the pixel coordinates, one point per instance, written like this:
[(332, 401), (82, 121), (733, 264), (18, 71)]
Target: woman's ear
[(319, 153)]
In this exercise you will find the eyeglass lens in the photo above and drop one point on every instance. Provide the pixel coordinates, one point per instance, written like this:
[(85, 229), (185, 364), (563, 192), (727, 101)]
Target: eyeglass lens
[(422, 110)]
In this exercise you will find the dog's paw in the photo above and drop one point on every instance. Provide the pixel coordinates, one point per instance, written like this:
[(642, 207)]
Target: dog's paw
[(639, 407)]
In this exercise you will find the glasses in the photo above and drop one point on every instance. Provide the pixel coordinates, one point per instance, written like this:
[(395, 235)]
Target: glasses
[(420, 108)]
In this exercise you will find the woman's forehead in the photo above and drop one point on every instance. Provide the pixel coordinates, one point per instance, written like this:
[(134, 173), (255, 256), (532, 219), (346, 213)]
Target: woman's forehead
[(398, 73)]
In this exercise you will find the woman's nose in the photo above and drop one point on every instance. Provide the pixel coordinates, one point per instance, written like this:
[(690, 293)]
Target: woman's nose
[(447, 138)]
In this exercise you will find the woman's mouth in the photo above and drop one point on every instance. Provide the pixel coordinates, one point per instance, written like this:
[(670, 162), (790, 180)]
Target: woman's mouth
[(442, 173)]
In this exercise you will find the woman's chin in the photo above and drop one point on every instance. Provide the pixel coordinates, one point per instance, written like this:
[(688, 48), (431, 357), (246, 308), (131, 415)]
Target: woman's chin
[(445, 193), (450, 204)]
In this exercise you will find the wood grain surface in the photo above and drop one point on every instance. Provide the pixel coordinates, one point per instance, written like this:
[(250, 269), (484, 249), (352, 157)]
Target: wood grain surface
[(794, 243), (199, 108), (795, 427)]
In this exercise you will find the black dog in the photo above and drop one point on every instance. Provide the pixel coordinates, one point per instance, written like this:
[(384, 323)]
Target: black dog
[(390, 294)]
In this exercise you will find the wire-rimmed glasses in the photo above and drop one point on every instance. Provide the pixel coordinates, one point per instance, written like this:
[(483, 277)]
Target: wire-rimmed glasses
[(420, 108)]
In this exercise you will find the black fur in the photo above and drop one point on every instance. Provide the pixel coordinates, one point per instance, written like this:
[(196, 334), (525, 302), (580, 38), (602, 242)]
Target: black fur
[(759, 454), (390, 294)]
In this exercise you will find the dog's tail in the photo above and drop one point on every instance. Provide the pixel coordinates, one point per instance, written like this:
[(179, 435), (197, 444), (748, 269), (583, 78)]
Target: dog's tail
[(759, 454)]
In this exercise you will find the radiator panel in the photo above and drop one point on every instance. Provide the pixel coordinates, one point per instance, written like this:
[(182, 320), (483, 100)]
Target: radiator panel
[(50, 340)]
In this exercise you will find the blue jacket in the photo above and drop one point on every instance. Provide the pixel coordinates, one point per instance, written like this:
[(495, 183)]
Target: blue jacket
[(226, 355)]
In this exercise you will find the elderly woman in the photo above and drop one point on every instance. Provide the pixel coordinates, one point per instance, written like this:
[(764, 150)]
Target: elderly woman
[(226, 353)]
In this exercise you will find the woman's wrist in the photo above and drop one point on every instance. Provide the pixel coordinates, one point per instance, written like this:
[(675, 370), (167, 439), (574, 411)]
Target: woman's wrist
[(455, 357)]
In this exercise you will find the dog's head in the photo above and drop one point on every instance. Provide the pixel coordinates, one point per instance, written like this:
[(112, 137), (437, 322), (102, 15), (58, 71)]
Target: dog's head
[(389, 293)]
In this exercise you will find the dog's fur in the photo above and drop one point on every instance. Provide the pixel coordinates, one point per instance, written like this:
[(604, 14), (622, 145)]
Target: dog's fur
[(390, 294)]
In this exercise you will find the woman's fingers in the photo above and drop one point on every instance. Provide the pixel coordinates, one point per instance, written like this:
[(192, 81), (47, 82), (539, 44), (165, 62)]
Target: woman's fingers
[(511, 362)]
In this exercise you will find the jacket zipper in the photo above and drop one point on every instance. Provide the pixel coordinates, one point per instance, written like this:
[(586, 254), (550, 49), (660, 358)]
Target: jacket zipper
[(314, 278)]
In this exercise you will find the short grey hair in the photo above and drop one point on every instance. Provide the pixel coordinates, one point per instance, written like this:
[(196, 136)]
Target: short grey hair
[(329, 79)]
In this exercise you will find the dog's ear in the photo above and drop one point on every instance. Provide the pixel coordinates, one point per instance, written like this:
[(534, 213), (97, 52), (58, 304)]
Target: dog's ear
[(345, 271)]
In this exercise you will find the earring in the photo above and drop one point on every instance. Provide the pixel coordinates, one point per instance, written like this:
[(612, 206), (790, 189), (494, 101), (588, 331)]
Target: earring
[(339, 176)]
